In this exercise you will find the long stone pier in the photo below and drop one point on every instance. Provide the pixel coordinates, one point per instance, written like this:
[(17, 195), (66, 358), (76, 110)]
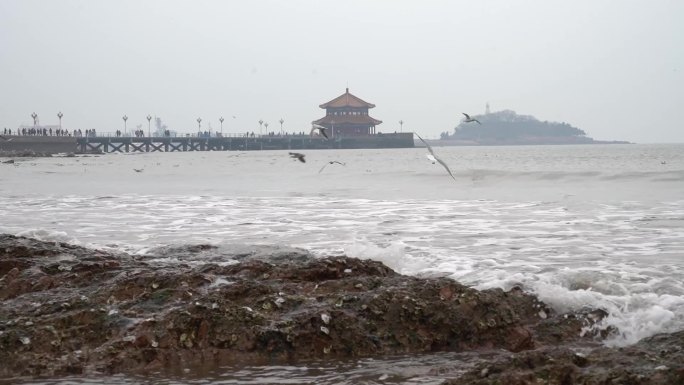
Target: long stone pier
[(293, 142), (108, 144)]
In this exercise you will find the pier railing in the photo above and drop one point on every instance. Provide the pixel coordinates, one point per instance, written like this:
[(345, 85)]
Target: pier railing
[(189, 135), (106, 144)]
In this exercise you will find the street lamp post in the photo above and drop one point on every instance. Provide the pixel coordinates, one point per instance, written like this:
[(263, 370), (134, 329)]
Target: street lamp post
[(125, 118), (35, 119), (59, 115), (199, 126), (266, 125), (221, 120), (401, 126), (149, 118), (332, 128), (281, 126), (261, 122)]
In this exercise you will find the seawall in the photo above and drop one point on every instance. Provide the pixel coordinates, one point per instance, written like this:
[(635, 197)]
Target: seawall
[(49, 144)]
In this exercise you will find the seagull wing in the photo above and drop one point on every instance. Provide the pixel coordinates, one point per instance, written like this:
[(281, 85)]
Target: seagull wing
[(466, 115), (321, 170), (334, 161), (478, 122), (320, 129), (298, 156), (429, 148), (446, 167)]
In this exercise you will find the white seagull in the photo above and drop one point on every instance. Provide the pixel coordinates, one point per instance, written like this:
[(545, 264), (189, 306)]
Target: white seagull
[(320, 129), (469, 119), (331, 162), (435, 156)]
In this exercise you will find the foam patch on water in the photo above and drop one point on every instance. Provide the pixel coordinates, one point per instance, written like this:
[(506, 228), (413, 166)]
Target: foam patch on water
[(220, 281), (634, 312), (48, 236), (637, 324), (393, 256)]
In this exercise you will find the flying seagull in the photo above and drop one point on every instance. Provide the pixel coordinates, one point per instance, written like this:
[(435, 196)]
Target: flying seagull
[(6, 139), (435, 156), (431, 158), (331, 162), (320, 129), (138, 169), (469, 119), (298, 156)]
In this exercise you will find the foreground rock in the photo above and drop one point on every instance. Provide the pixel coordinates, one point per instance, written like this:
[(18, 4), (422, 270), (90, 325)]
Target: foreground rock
[(657, 360), (70, 310), (67, 309)]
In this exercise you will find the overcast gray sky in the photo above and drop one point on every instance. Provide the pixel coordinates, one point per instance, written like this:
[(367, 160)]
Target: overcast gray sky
[(612, 68)]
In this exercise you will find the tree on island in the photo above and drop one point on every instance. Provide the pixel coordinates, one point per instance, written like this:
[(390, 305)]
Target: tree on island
[(508, 127)]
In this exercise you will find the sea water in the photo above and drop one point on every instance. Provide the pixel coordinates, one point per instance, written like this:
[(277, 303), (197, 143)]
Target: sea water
[(581, 227)]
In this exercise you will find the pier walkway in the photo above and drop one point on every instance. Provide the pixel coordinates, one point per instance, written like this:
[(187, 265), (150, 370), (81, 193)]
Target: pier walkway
[(293, 142), (109, 144)]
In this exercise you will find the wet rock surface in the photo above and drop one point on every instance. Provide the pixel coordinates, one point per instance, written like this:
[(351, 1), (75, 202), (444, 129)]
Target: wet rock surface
[(70, 310), (655, 360)]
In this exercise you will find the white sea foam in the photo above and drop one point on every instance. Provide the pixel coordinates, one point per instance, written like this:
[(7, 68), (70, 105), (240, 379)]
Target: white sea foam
[(220, 281), (392, 255), (47, 235)]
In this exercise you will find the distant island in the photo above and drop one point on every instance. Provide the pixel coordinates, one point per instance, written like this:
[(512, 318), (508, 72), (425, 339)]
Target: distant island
[(508, 128)]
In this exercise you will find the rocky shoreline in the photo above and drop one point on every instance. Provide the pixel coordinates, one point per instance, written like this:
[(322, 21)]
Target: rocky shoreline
[(24, 154), (68, 310)]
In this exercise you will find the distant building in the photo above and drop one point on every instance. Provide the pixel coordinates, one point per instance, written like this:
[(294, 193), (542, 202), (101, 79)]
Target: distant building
[(347, 115)]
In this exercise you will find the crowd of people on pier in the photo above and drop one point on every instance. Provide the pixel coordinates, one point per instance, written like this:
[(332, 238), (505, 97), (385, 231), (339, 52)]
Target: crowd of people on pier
[(141, 133), (272, 134), (42, 131), (136, 133)]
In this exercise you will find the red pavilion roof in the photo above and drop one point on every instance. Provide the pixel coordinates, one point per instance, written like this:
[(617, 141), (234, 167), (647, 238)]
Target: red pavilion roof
[(348, 119), (347, 100)]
